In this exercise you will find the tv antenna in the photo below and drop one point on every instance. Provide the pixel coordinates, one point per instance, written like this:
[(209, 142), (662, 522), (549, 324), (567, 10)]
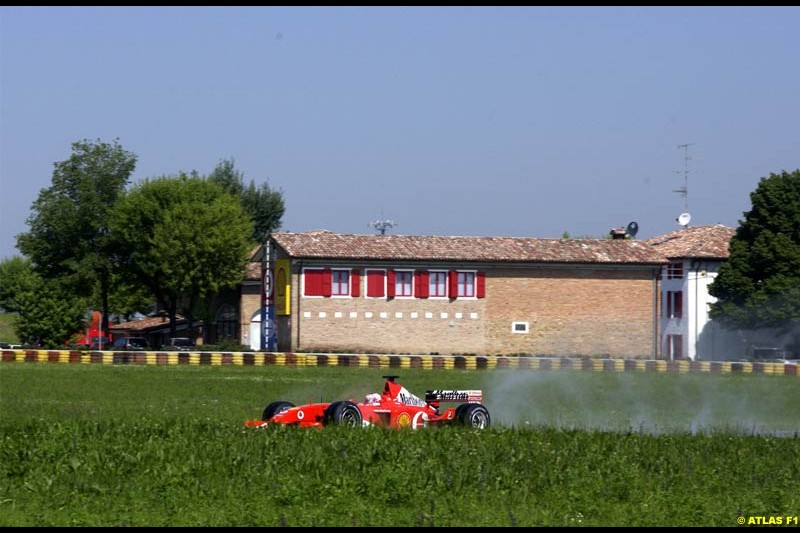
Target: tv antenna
[(383, 225), (684, 191)]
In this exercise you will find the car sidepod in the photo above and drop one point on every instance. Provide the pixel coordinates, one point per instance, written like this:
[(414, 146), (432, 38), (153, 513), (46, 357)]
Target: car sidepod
[(409, 417)]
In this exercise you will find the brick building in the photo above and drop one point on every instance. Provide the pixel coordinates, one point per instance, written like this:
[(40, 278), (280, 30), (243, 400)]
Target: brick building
[(470, 295)]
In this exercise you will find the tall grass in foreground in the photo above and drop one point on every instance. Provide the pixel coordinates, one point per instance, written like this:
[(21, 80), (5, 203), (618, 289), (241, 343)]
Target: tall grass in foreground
[(158, 446)]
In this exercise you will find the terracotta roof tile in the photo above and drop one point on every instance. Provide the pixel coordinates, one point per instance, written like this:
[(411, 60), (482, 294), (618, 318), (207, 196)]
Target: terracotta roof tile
[(695, 241), (144, 323), (328, 245)]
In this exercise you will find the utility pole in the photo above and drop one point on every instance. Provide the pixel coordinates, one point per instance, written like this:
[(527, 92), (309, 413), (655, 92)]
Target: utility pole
[(684, 191)]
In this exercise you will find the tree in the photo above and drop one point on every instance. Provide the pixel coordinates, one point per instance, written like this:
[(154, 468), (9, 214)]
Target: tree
[(759, 285), (16, 277), (184, 238), (69, 233), (264, 205), (128, 297), (46, 313)]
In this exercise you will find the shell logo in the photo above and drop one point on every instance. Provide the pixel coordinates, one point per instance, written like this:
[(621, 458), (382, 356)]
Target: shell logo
[(403, 420)]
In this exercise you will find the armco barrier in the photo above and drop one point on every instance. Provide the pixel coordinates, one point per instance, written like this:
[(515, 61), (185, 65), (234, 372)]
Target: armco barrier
[(428, 362)]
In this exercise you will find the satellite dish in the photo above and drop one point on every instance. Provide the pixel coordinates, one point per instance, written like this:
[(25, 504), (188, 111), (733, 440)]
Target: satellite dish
[(632, 228), (684, 219)]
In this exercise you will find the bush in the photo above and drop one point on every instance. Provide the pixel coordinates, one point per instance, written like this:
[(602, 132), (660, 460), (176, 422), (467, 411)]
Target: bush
[(226, 345)]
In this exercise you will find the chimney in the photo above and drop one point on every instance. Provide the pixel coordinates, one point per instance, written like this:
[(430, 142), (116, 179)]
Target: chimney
[(618, 233)]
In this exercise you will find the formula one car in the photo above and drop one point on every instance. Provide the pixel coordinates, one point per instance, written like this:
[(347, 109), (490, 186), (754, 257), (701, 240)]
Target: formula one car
[(394, 408)]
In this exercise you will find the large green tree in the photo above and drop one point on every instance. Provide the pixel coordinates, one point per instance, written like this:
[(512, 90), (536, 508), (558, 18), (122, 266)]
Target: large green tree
[(183, 237), (759, 285), (68, 237), (264, 205), (45, 312), (16, 274), (128, 297)]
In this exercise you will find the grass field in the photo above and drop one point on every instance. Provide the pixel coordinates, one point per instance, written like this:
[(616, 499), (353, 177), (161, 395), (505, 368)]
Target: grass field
[(103, 445)]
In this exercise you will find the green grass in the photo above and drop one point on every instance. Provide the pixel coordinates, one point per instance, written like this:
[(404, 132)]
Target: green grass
[(99, 445)]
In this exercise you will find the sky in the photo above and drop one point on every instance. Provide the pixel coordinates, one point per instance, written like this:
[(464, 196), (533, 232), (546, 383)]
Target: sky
[(486, 121)]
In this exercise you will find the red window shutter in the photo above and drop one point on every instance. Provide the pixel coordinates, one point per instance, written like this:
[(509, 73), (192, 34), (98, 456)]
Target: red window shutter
[(390, 281), (679, 304), (327, 283), (355, 283), (453, 282), (422, 277), (375, 283), (313, 282), (480, 290)]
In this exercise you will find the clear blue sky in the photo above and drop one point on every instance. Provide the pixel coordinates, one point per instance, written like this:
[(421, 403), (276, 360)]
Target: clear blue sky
[(491, 121)]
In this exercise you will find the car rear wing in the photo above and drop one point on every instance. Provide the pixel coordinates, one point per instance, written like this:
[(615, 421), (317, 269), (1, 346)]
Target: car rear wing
[(469, 396)]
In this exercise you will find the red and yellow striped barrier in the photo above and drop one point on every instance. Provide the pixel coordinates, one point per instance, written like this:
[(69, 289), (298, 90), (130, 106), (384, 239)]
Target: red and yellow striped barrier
[(472, 362)]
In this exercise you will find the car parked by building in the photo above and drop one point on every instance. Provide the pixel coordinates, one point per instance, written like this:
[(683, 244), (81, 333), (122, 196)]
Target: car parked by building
[(131, 343), (9, 346), (181, 344)]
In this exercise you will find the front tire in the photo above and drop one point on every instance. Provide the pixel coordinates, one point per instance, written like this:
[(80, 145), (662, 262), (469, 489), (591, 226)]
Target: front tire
[(343, 413), (473, 415), (275, 408)]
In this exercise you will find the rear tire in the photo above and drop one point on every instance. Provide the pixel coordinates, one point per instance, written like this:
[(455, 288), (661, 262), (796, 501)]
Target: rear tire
[(275, 408), (473, 415), (343, 413)]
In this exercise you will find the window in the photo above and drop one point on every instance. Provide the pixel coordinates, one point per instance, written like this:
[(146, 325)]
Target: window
[(673, 307), (466, 284), (519, 327), (402, 283), (675, 270), (375, 283), (326, 282), (437, 285), (340, 283), (226, 322)]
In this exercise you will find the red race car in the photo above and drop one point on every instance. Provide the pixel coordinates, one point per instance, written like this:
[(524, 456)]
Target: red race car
[(394, 408)]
